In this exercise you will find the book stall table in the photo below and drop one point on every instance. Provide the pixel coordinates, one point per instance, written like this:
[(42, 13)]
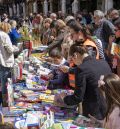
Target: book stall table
[(31, 104)]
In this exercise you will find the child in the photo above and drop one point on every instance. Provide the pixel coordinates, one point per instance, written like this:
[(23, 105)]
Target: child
[(58, 79)]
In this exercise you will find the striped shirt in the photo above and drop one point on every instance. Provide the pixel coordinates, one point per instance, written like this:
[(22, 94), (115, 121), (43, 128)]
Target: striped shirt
[(99, 46)]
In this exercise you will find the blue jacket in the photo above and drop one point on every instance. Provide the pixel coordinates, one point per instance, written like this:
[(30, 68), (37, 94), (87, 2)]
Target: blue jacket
[(14, 36)]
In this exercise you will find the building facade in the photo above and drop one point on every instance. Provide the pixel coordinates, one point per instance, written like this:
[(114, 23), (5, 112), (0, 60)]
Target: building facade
[(2, 7), (14, 7), (24, 7)]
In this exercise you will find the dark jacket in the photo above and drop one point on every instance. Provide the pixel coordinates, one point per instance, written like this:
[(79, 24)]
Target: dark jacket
[(58, 41), (87, 90)]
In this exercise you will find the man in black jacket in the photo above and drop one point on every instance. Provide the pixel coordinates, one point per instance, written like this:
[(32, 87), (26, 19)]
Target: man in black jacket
[(88, 73)]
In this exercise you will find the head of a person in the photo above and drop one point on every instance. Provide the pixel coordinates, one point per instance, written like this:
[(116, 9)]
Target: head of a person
[(78, 33), (114, 15), (110, 85), (6, 126), (53, 16), (47, 22), (117, 28), (13, 24), (5, 15), (98, 16), (109, 12), (61, 15), (6, 27), (39, 17), (56, 56), (78, 53), (69, 19), (90, 30), (79, 18), (31, 15), (61, 24)]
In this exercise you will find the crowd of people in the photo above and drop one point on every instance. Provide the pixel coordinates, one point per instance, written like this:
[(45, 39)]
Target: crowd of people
[(80, 47)]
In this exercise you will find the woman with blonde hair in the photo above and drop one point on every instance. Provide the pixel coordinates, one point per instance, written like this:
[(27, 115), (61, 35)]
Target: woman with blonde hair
[(6, 58), (48, 20), (61, 23), (6, 27)]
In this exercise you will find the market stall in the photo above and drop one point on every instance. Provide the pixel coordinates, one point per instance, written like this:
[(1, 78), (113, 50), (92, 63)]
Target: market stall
[(30, 102)]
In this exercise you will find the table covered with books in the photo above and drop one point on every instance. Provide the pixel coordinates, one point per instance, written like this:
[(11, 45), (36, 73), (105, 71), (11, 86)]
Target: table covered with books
[(31, 103)]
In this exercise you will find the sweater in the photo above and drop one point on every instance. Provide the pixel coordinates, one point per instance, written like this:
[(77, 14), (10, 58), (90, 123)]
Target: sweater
[(14, 36), (6, 50)]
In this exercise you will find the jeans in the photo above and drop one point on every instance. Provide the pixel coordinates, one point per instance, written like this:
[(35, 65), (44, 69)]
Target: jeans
[(4, 74)]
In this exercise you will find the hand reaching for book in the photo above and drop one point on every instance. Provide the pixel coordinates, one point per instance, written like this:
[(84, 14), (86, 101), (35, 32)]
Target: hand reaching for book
[(59, 101)]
